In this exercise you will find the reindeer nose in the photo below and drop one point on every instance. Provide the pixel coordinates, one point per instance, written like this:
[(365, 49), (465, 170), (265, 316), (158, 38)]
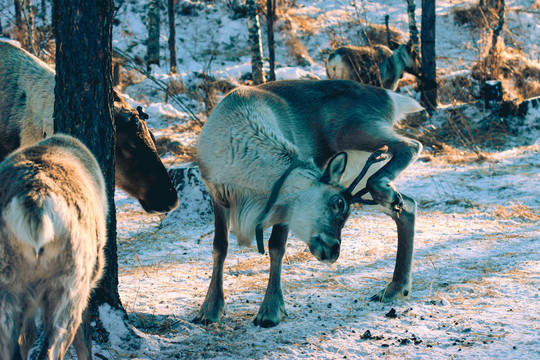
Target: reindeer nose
[(325, 251)]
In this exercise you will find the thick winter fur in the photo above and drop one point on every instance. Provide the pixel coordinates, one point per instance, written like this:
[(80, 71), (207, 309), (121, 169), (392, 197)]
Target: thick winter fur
[(53, 210), (374, 65), (26, 116), (250, 140)]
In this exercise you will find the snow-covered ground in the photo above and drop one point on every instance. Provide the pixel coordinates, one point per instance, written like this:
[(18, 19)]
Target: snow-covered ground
[(476, 276), (475, 282)]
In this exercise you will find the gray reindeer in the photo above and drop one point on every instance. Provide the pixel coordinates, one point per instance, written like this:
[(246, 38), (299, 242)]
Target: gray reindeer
[(288, 154), (53, 210)]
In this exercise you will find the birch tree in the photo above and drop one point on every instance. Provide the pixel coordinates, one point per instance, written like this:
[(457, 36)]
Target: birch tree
[(413, 29), (254, 29)]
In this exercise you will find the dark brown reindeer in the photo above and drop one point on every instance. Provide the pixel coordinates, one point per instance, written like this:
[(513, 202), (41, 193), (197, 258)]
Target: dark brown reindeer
[(26, 116), (288, 154), (376, 65), (53, 211)]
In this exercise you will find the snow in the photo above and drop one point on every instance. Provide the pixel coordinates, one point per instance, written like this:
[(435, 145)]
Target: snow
[(476, 273)]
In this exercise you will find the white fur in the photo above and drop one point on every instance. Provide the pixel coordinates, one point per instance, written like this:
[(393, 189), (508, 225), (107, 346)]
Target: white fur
[(403, 105), (37, 232)]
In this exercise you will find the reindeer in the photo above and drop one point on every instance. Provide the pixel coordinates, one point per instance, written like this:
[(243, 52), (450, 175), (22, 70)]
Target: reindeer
[(287, 154), (26, 116), (375, 65), (53, 210)]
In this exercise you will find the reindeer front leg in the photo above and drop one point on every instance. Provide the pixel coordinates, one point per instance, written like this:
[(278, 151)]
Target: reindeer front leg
[(400, 286), (272, 309), (213, 306), (402, 209)]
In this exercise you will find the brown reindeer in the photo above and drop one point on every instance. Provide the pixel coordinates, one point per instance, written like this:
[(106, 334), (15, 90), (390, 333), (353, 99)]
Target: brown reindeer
[(375, 65), (26, 116), (53, 210)]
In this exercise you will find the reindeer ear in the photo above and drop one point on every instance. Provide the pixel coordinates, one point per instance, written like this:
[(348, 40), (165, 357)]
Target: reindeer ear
[(335, 169)]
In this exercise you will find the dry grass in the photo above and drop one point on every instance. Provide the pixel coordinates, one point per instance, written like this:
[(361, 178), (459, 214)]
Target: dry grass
[(207, 91), (455, 90), (459, 129), (520, 76), (183, 153), (476, 16), (519, 211)]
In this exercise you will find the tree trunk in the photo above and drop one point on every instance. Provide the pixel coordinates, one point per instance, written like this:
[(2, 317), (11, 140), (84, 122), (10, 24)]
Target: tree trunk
[(28, 12), (413, 29), (270, 14), (152, 55), (172, 36), (429, 96), (18, 16), (254, 29), (83, 108)]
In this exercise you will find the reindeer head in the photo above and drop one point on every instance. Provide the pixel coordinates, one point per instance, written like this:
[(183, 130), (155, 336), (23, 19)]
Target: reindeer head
[(317, 214), (410, 53), (139, 170)]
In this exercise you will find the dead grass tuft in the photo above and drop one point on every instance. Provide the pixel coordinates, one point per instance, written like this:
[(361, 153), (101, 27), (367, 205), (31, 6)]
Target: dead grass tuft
[(459, 128), (455, 90), (520, 75), (519, 211), (208, 90), (183, 153), (476, 16)]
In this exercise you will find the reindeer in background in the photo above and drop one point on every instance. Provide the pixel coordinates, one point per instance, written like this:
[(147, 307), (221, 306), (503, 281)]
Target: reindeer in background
[(375, 65)]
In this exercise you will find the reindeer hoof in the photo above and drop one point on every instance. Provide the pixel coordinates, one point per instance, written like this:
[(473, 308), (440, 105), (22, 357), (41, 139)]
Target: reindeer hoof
[(270, 316), (392, 291), (209, 315)]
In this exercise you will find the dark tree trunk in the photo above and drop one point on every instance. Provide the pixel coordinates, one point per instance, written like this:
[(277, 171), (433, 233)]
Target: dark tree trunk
[(83, 107), (270, 14), (254, 29), (172, 36), (429, 96), (152, 55), (18, 14)]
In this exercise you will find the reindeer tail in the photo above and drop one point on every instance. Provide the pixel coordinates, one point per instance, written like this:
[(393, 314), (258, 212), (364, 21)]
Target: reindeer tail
[(36, 225), (403, 105)]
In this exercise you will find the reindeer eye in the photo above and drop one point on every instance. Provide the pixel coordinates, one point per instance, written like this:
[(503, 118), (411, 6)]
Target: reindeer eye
[(339, 205)]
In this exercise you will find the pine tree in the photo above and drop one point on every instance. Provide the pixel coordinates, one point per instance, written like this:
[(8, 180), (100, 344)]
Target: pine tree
[(429, 96), (83, 108), (172, 36), (152, 54)]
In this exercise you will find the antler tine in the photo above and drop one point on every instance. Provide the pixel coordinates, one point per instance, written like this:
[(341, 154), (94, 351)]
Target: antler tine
[(379, 155)]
